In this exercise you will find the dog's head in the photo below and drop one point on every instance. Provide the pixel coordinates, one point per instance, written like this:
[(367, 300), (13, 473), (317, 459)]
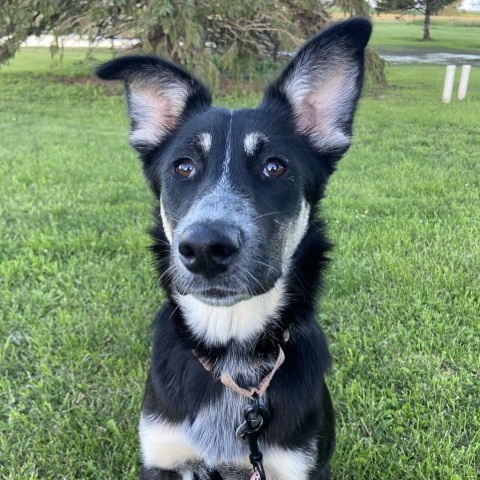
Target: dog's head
[(236, 189)]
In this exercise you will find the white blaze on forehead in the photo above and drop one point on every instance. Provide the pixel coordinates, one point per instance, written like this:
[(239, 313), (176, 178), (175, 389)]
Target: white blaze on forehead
[(216, 325), (252, 141), (205, 141), (228, 155), (167, 227)]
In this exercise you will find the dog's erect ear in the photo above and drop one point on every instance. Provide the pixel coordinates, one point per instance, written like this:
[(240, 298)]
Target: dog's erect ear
[(322, 84), (159, 95)]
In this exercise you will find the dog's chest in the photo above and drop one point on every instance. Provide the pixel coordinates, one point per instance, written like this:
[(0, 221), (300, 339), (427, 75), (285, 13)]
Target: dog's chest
[(213, 430), (210, 442), (211, 435)]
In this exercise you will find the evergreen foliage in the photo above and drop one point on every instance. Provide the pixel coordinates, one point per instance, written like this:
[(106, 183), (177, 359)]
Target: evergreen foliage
[(235, 40)]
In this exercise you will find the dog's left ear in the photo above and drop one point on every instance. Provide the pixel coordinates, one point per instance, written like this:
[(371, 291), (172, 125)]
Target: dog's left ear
[(322, 84), (159, 96)]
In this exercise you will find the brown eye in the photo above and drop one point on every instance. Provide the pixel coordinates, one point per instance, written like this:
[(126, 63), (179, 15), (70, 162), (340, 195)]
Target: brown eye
[(185, 167), (274, 168)]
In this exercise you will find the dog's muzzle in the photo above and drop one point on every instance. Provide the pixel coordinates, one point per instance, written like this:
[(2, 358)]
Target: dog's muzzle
[(209, 249)]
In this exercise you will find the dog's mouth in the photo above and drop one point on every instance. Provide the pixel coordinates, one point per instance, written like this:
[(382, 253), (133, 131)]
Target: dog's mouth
[(226, 290), (218, 296)]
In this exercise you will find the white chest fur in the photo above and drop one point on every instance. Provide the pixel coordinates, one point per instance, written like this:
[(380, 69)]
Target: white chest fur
[(210, 439), (244, 321), (175, 447)]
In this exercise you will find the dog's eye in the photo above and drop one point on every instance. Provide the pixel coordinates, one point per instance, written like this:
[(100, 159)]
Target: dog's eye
[(185, 167), (274, 168)]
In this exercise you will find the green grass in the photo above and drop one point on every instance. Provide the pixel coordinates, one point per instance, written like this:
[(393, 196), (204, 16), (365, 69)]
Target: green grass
[(394, 37), (403, 298), (77, 293)]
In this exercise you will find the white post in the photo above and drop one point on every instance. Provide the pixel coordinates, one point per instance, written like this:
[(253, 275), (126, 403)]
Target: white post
[(448, 86), (463, 85)]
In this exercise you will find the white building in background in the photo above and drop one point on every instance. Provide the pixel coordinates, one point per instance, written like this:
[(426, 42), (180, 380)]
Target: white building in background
[(466, 6)]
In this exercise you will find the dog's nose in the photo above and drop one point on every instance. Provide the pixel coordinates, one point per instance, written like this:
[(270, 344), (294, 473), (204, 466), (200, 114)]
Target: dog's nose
[(208, 249)]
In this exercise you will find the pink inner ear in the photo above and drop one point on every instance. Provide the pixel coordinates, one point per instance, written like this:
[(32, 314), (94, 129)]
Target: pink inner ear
[(154, 111), (320, 107)]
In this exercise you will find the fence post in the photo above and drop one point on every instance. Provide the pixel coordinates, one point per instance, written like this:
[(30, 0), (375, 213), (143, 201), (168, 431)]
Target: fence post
[(448, 86), (463, 85)]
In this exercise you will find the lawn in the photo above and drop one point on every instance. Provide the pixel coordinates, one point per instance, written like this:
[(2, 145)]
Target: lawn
[(77, 293), (458, 34)]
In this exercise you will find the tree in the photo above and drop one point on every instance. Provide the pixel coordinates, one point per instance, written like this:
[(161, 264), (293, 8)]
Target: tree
[(426, 7), (219, 39), (207, 37), (22, 18), (375, 65)]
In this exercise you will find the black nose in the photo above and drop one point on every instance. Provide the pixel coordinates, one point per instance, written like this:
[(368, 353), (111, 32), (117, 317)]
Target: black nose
[(208, 249)]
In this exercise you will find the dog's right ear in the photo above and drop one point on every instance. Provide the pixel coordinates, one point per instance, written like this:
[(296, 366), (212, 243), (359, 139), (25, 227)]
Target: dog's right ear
[(159, 96)]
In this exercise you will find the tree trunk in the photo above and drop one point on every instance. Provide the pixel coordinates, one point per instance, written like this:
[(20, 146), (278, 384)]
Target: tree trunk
[(426, 25)]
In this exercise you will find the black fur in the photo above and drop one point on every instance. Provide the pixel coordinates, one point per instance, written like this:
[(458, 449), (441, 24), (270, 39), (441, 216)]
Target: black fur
[(178, 386)]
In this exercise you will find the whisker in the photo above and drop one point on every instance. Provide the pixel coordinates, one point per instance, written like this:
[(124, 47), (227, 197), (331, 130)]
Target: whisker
[(271, 267), (159, 241), (168, 271), (253, 277), (265, 215)]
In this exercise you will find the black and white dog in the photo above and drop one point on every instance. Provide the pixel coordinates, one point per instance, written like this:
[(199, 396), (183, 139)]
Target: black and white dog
[(240, 253)]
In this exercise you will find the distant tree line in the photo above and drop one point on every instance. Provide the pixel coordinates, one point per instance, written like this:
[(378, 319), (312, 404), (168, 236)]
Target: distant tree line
[(211, 38), (426, 7)]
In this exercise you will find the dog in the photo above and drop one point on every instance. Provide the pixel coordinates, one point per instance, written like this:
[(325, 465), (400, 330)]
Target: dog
[(240, 253)]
